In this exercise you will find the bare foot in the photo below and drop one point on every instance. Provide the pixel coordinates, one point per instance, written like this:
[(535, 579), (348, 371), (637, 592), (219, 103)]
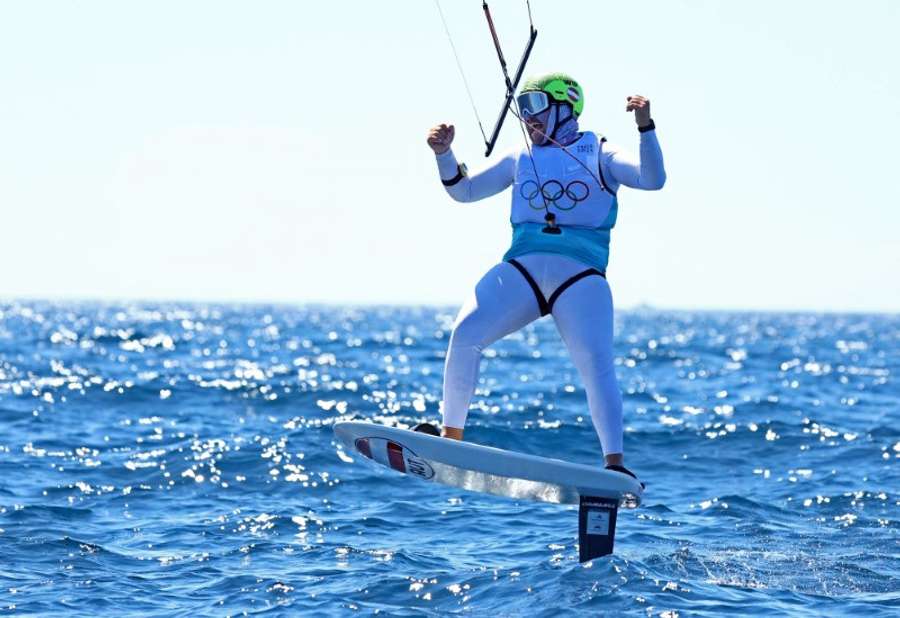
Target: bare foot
[(452, 433)]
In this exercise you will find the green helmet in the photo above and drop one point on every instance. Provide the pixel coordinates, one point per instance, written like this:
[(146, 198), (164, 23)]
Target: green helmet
[(560, 87)]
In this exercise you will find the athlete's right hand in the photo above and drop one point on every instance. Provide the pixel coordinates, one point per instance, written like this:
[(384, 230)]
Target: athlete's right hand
[(440, 137)]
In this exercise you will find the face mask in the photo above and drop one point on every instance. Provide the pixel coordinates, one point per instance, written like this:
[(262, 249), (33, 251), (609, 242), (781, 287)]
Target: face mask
[(566, 125), (559, 124)]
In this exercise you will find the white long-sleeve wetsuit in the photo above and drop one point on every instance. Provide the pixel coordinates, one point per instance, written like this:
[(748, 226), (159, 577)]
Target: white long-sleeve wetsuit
[(516, 291)]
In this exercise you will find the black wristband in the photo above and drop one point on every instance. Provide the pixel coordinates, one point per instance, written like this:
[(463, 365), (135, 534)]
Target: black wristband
[(649, 127), (460, 172)]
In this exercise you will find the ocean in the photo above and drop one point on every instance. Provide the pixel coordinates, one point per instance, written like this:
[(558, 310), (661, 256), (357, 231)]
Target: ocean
[(170, 459)]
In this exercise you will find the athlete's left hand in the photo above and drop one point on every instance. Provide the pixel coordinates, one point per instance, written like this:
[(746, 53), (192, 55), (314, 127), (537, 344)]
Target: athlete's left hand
[(641, 108)]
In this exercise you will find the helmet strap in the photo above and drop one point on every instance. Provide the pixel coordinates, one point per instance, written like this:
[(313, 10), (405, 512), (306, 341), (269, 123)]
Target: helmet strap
[(555, 121), (552, 124)]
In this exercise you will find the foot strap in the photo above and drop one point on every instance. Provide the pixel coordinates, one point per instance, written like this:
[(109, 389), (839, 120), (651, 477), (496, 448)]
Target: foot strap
[(428, 428), (624, 470)]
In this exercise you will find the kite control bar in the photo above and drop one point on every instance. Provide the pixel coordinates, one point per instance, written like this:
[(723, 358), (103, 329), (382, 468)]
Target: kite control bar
[(511, 85)]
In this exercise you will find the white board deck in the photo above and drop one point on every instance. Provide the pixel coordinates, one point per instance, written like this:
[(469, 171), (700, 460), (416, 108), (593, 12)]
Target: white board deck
[(486, 469)]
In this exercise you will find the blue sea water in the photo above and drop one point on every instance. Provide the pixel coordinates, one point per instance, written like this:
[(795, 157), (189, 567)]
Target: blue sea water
[(177, 459)]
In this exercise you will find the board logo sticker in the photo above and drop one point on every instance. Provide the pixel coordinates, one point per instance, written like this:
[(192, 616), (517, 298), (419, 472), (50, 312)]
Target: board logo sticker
[(418, 466), (597, 522), (394, 455)]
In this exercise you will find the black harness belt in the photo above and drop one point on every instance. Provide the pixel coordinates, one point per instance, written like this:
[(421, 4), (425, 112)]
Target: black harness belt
[(544, 304)]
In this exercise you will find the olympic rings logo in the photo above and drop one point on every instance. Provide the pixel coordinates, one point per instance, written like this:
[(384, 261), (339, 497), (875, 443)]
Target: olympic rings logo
[(554, 193)]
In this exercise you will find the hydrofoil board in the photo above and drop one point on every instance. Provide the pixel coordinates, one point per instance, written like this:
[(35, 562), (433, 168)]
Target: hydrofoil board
[(475, 467)]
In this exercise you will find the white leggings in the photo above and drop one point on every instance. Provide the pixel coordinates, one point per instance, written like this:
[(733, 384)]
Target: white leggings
[(504, 302)]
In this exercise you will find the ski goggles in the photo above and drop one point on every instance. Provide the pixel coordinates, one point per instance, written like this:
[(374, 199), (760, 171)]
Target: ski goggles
[(532, 103)]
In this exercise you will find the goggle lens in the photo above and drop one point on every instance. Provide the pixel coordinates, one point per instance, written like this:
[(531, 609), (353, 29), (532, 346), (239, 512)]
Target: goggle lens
[(533, 103)]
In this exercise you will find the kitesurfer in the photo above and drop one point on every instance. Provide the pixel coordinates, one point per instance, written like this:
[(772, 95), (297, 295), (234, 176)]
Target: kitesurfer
[(564, 205)]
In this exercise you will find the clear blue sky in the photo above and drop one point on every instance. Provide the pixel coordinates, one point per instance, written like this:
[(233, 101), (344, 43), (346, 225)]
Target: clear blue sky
[(263, 151)]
